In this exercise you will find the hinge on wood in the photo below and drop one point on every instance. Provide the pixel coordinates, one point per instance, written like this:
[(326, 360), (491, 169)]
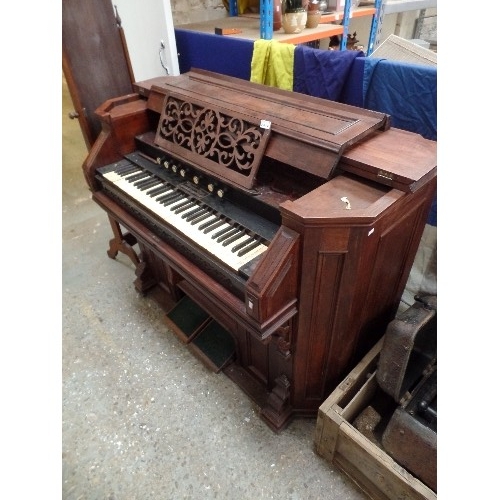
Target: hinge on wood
[(385, 175)]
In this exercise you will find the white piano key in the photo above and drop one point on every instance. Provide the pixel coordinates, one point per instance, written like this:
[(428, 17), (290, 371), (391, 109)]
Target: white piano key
[(172, 213)]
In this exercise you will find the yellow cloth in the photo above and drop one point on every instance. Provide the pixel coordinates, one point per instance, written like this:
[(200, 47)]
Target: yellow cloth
[(272, 64)]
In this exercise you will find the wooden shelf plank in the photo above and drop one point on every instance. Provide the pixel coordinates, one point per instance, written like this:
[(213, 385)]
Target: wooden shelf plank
[(250, 29), (249, 26), (338, 16)]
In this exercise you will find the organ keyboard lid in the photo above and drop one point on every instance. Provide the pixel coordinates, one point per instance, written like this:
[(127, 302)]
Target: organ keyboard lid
[(224, 126)]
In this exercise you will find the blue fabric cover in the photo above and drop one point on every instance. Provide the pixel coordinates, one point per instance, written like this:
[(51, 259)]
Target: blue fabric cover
[(352, 92), (322, 73), (408, 92), (218, 53)]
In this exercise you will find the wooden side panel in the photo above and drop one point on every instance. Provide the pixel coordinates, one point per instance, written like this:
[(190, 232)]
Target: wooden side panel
[(324, 256), (122, 119), (325, 303), (326, 336), (274, 282), (390, 266), (355, 264), (257, 360)]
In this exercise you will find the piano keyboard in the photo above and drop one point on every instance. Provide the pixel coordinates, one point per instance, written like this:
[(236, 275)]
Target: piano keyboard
[(229, 242)]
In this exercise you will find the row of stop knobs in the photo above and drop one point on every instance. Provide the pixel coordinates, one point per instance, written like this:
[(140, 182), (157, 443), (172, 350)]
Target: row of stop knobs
[(197, 178)]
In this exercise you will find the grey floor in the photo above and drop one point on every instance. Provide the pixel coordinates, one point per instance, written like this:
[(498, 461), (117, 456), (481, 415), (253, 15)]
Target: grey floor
[(142, 418)]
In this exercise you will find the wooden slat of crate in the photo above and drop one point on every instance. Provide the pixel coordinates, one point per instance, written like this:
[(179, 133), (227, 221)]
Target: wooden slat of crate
[(336, 440)]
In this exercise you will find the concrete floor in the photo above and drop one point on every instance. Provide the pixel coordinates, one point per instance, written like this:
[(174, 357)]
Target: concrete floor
[(142, 418)]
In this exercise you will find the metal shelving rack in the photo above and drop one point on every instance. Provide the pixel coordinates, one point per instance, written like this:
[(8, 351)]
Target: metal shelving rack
[(233, 7), (266, 21), (376, 27), (345, 23)]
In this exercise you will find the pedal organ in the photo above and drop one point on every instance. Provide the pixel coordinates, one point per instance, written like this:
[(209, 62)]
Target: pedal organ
[(291, 221)]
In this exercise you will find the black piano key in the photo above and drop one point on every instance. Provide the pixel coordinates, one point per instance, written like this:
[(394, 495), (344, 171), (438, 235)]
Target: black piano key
[(222, 231), (161, 197), (146, 183), (146, 177), (232, 239), (139, 171), (201, 217), (127, 169), (147, 189), (164, 198), (247, 249), (183, 208), (138, 176), (239, 246), (193, 213), (185, 202), (175, 200), (227, 235), (158, 190), (209, 223), (169, 198), (215, 225)]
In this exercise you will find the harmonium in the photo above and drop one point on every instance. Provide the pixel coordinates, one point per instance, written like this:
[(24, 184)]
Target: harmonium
[(277, 230)]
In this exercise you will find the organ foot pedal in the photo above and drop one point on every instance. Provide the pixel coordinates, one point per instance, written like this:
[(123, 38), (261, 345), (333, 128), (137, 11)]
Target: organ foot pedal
[(205, 338)]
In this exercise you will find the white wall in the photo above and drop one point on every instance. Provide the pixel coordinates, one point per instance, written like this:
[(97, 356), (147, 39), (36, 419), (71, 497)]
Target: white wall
[(195, 11), (145, 24)]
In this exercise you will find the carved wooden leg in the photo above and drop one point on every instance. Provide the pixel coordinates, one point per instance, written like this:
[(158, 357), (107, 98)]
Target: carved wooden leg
[(122, 243), (278, 409), (145, 279)]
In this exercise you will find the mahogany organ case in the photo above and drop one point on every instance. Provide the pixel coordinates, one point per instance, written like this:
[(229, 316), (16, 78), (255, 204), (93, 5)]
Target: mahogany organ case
[(277, 230)]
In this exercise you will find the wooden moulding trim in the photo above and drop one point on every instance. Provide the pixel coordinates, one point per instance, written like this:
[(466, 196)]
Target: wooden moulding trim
[(105, 110)]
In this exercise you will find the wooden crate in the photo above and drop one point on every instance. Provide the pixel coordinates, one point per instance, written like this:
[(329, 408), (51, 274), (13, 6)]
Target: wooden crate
[(337, 440)]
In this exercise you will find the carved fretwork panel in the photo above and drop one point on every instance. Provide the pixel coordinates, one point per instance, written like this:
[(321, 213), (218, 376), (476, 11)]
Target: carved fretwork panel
[(225, 144)]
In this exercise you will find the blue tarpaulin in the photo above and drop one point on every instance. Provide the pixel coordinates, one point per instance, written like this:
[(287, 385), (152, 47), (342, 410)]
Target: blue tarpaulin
[(408, 92), (322, 73)]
